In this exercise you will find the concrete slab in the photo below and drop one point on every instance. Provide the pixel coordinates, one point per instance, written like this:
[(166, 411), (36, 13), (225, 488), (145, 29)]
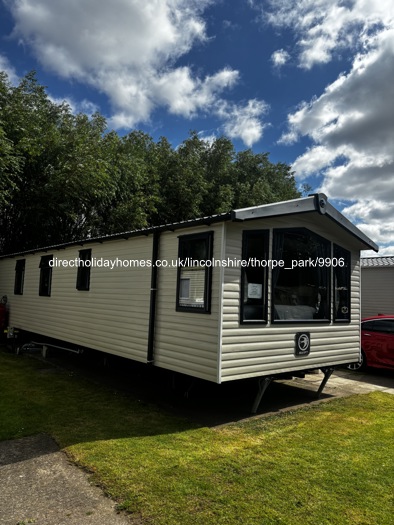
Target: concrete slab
[(40, 486)]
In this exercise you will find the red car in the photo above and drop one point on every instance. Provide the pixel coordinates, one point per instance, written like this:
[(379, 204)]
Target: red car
[(377, 343)]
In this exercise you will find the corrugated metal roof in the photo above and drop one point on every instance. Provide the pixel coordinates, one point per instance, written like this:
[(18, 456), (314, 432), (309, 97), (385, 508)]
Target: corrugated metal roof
[(377, 262)]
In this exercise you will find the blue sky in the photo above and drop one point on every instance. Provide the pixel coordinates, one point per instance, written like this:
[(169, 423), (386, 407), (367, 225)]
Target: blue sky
[(310, 82)]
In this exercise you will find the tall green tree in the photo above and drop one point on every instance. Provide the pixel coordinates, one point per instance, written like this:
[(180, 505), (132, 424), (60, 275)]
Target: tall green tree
[(220, 176), (133, 160), (27, 118), (259, 181), (183, 182), (64, 177), (10, 167)]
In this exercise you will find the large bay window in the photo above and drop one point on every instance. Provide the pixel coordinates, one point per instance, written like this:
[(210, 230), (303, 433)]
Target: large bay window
[(300, 287)]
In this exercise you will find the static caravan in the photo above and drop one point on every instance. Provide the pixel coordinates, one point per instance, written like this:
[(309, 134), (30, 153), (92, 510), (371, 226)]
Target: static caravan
[(377, 286), (256, 292)]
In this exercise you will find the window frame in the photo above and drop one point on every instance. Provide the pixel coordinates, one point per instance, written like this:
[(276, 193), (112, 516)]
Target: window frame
[(182, 240), (45, 285), (19, 281), (83, 272), (327, 244), (264, 234), (338, 252)]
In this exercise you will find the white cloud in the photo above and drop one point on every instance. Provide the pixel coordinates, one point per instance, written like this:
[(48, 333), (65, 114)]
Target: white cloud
[(373, 217), (244, 122), (351, 124), (209, 139), (128, 50), (9, 70), (352, 127), (77, 106), (381, 230), (75, 38), (279, 58), (313, 161), (324, 27), (185, 96)]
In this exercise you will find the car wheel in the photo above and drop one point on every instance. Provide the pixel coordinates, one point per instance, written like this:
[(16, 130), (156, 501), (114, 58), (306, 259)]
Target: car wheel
[(359, 365)]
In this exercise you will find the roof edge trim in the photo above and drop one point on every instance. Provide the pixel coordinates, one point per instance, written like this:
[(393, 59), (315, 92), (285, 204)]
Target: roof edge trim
[(317, 202)]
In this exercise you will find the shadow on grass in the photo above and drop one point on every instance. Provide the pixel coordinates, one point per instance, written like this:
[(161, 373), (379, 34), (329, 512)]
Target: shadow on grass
[(203, 403), (75, 404), (81, 398)]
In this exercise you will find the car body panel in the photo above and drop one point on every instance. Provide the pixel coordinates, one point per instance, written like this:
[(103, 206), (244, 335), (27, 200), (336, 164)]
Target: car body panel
[(377, 341)]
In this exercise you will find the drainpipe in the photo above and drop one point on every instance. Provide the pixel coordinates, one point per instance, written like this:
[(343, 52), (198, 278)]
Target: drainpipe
[(153, 296)]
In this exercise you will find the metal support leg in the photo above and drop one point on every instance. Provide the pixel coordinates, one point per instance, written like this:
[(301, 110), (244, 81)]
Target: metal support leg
[(264, 383), (44, 351), (189, 389), (327, 374)]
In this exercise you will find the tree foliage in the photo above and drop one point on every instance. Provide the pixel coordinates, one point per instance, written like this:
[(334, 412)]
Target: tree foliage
[(64, 176)]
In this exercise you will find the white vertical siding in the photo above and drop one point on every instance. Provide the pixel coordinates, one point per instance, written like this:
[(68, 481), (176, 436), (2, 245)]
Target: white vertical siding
[(256, 350), (112, 316), (186, 342), (377, 291)]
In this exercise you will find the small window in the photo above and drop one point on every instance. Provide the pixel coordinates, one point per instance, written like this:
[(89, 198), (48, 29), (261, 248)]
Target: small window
[(341, 266), (254, 276), (300, 288), (45, 275), (83, 274), (19, 276), (195, 273)]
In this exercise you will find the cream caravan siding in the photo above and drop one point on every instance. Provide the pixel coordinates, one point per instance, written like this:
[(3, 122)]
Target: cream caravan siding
[(377, 291), (186, 342), (257, 350), (112, 316)]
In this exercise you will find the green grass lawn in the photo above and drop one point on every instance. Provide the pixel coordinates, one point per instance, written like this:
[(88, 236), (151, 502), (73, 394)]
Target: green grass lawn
[(331, 463)]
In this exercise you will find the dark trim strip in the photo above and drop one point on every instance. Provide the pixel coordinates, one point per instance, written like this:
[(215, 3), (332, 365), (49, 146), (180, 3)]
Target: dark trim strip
[(153, 297)]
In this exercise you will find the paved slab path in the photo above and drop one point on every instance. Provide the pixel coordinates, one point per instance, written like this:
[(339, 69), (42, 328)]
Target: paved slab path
[(346, 383), (39, 486)]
